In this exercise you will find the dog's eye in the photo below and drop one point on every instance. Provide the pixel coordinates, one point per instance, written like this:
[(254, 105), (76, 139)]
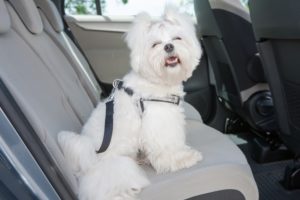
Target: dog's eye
[(155, 44), (177, 38)]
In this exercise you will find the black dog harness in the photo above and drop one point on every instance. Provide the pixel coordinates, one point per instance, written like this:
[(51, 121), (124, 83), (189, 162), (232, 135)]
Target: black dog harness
[(109, 122)]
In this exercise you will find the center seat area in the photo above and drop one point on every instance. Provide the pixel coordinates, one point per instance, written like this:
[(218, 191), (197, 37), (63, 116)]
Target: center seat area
[(55, 89)]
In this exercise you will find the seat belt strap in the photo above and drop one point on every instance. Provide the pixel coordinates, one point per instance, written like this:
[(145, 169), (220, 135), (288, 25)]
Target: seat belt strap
[(108, 130)]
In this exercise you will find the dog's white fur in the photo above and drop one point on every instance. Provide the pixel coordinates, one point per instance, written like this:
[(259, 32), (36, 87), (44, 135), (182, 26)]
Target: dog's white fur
[(159, 132)]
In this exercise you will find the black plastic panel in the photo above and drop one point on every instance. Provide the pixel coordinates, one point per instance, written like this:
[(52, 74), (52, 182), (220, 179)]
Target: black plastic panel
[(281, 62), (220, 195), (206, 18), (199, 93), (275, 18)]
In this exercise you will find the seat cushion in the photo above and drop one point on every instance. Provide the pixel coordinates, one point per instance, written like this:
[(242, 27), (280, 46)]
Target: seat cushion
[(224, 167), (190, 112)]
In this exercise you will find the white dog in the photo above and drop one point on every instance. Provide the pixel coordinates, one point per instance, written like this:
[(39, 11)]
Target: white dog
[(147, 115)]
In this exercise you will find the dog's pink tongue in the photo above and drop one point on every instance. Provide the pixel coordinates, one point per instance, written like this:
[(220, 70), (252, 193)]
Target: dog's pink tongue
[(172, 61)]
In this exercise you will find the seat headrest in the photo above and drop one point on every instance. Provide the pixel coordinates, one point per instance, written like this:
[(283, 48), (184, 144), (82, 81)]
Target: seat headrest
[(233, 6), (51, 13), (4, 18), (29, 14)]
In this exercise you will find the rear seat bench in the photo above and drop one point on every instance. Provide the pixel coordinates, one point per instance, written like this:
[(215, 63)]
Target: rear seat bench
[(52, 83)]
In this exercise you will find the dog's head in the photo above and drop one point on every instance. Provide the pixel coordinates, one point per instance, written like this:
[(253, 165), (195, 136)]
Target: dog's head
[(164, 51)]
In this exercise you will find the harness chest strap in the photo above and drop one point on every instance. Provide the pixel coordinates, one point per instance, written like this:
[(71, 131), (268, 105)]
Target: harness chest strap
[(173, 99), (108, 127)]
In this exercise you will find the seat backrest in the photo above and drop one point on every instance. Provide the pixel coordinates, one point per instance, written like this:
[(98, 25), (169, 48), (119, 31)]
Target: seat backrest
[(26, 21), (276, 25), (226, 32), (40, 78), (53, 26)]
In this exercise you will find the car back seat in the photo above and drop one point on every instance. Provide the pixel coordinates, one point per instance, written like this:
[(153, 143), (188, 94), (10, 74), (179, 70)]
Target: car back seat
[(35, 89), (51, 107)]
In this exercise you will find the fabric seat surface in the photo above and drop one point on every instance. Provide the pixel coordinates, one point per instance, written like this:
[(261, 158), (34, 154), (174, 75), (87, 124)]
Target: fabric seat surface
[(36, 91), (223, 167), (53, 26), (51, 56)]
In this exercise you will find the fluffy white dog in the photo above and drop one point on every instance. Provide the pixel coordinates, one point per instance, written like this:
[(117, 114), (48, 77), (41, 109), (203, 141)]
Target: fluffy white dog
[(147, 115)]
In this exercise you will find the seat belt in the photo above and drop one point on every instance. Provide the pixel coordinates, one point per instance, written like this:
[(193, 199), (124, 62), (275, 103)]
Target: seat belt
[(68, 31)]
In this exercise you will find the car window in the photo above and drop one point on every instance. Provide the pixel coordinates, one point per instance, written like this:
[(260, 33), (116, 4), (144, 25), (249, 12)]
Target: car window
[(124, 7), (245, 3), (80, 7)]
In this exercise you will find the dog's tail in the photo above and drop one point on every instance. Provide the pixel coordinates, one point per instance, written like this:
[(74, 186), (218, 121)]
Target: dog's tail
[(78, 150), (113, 178)]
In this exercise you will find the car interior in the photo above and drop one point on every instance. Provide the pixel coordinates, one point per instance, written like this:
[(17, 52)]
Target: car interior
[(242, 102)]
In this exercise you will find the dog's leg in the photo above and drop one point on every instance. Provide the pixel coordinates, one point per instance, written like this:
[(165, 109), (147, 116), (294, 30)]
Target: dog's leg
[(112, 178), (170, 160), (78, 150), (163, 138)]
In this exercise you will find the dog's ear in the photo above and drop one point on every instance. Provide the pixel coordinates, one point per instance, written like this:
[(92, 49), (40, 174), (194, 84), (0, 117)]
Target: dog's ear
[(139, 28), (172, 15)]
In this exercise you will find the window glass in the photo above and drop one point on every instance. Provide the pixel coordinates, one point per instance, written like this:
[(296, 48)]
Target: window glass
[(245, 3), (125, 7), (80, 7)]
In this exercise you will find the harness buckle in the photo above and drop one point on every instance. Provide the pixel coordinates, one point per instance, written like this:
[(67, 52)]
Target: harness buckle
[(116, 84), (173, 99)]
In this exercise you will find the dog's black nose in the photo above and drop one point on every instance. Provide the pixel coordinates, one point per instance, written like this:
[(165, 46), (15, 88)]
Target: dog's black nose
[(169, 47)]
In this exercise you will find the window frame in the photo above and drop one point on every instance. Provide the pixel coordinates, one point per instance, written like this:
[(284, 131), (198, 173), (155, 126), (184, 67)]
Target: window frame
[(98, 7)]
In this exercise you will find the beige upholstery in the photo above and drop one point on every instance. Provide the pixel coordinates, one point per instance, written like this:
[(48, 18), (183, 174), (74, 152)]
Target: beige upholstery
[(57, 64), (42, 79), (51, 13), (191, 113), (70, 51), (29, 15), (223, 167), (5, 20)]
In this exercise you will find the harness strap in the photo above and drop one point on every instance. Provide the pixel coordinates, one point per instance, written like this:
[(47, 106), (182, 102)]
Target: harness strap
[(119, 85), (109, 122), (109, 114)]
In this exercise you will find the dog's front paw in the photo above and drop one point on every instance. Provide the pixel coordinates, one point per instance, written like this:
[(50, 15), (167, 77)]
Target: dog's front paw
[(174, 161), (185, 159)]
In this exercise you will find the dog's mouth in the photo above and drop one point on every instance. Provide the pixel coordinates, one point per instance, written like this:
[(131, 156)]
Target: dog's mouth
[(172, 61)]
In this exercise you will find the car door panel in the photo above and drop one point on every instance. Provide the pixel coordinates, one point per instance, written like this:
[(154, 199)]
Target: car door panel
[(101, 38)]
